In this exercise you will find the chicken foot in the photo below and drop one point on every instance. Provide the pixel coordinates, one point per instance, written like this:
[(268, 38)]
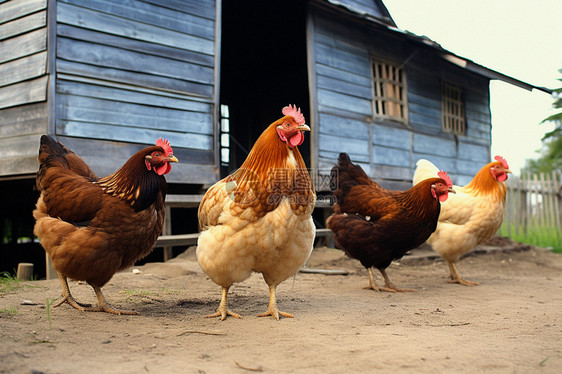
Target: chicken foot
[(456, 277), (222, 310), (388, 285), (67, 296), (103, 306), (272, 307)]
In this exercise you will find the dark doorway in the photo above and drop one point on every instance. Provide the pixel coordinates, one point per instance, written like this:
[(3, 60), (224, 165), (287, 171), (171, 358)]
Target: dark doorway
[(263, 69)]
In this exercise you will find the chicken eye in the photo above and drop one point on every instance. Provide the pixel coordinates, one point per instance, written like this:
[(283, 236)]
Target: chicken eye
[(157, 154), (287, 124)]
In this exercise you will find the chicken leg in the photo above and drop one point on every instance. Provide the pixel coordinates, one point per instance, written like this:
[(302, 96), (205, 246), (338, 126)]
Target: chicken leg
[(104, 307), (67, 297), (272, 307), (222, 310), (456, 277), (388, 285)]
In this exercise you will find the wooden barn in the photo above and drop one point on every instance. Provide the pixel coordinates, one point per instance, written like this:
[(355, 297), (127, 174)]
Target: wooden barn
[(108, 77)]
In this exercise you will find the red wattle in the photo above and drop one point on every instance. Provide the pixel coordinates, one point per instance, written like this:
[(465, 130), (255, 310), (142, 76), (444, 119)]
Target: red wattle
[(502, 177), (297, 139)]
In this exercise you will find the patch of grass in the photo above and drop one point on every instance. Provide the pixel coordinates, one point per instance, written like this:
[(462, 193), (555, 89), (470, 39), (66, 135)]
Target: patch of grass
[(11, 311), (136, 292), (48, 304), (8, 282), (543, 362), (545, 237)]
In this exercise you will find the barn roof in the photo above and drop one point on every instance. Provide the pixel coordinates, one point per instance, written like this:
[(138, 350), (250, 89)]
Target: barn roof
[(375, 13)]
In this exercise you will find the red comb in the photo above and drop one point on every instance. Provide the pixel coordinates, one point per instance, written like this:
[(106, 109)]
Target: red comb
[(165, 144), (294, 112), (502, 161), (443, 175)]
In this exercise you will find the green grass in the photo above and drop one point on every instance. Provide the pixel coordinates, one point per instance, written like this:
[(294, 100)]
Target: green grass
[(48, 304), (11, 311), (8, 282), (546, 237)]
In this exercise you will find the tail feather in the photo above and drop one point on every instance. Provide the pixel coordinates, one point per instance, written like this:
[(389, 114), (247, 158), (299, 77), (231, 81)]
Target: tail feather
[(424, 170), (346, 174), (54, 154)]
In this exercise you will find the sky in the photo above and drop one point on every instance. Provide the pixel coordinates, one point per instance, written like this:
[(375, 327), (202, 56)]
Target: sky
[(521, 39)]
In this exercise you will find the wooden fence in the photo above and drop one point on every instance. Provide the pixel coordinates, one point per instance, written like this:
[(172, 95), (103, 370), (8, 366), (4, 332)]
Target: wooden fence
[(534, 203)]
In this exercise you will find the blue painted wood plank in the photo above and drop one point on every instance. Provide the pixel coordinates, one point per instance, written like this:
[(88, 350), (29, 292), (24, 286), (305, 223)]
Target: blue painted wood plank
[(152, 14), (338, 144), (121, 94), (380, 172), (128, 134), (22, 25), (343, 87), (344, 102), (202, 8), (11, 10), (327, 160), (90, 19), (23, 69), (346, 76), (110, 57), (108, 75), (30, 91), (111, 112), (343, 60), (473, 152), (391, 156), (23, 45), (432, 114), (434, 145), (392, 137), (135, 45), (343, 127)]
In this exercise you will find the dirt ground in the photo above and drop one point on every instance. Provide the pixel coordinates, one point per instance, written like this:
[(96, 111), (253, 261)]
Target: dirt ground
[(511, 323)]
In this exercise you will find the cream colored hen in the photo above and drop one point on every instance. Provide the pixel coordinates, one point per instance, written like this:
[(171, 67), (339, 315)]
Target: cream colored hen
[(258, 219), (471, 216)]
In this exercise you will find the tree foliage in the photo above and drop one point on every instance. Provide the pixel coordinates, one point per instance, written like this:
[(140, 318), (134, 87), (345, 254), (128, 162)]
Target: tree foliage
[(551, 152)]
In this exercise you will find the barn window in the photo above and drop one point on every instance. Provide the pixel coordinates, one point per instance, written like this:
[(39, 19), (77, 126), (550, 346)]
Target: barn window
[(452, 109), (389, 91)]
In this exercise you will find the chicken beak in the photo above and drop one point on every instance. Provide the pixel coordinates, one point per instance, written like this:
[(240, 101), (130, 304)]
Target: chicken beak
[(173, 159), (450, 189), (508, 171), (303, 127)]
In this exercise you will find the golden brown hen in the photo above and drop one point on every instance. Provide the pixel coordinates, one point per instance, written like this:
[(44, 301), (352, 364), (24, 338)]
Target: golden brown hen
[(470, 217), (90, 227), (259, 218)]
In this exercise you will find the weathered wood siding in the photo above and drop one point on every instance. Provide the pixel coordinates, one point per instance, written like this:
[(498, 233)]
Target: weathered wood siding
[(135, 71), (23, 83), (366, 7), (342, 52)]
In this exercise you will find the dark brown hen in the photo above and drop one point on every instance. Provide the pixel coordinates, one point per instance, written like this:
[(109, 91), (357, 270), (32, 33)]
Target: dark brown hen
[(375, 225), (93, 227)]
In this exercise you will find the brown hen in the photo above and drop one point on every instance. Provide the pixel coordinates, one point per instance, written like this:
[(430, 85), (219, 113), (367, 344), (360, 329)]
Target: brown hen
[(375, 225), (92, 228)]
